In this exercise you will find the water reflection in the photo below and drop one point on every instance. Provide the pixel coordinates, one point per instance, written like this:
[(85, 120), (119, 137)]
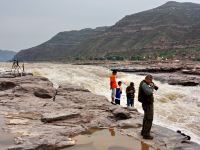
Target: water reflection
[(106, 139), (90, 131), (112, 131), (144, 146), (117, 148)]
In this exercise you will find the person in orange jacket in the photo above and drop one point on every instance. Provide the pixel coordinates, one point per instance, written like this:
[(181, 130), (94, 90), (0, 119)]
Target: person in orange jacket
[(113, 85)]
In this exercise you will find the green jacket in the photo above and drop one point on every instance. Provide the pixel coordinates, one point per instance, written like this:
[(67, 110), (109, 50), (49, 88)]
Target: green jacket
[(145, 94)]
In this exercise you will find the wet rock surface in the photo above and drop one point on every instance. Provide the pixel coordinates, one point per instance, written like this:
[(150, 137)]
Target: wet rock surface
[(47, 123)]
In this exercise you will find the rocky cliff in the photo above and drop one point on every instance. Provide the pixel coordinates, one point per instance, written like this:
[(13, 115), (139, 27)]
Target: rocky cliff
[(169, 31)]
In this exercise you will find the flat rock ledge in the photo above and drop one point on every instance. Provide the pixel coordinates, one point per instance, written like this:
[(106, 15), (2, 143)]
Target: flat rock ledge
[(47, 120)]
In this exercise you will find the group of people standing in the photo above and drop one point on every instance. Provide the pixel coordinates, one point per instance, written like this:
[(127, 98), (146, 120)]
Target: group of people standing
[(145, 96), (116, 91)]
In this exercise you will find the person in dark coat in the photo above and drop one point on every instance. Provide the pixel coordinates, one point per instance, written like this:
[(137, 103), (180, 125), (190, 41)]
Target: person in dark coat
[(145, 96), (130, 94)]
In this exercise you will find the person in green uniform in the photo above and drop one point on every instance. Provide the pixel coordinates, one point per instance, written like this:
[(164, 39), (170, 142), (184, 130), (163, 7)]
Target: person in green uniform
[(145, 96)]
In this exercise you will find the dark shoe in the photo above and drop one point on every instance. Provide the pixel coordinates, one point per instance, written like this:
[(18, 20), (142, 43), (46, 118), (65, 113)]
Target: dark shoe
[(113, 103), (149, 137)]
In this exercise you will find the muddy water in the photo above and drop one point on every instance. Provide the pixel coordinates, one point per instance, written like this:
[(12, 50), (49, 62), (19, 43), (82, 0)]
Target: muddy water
[(107, 139), (6, 139)]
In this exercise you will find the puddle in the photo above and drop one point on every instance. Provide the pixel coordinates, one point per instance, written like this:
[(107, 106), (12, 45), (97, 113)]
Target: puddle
[(6, 139), (106, 139)]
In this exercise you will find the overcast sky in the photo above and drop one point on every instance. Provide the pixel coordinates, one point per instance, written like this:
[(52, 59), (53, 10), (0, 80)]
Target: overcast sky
[(27, 23)]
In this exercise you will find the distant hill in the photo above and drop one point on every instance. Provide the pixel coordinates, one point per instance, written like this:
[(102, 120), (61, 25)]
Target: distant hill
[(6, 55), (169, 31), (61, 46)]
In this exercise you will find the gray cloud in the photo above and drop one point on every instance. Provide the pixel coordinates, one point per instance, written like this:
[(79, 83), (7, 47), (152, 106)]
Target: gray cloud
[(26, 23)]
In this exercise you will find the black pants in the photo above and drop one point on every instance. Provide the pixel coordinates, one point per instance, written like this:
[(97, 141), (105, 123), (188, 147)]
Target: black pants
[(117, 101), (148, 119), (130, 102)]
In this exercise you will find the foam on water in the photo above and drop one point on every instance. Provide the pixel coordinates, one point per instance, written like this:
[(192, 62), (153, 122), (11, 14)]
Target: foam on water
[(176, 107)]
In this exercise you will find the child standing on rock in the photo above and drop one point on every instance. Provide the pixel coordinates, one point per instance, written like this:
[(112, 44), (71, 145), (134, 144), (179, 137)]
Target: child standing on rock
[(118, 93), (130, 94)]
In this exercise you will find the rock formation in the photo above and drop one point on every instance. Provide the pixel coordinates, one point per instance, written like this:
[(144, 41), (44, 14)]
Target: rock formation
[(42, 117)]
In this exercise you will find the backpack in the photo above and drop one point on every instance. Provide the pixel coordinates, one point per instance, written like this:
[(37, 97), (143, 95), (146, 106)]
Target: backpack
[(140, 92)]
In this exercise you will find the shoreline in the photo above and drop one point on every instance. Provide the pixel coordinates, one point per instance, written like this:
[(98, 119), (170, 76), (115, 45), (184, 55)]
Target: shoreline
[(40, 104), (177, 70), (173, 73)]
